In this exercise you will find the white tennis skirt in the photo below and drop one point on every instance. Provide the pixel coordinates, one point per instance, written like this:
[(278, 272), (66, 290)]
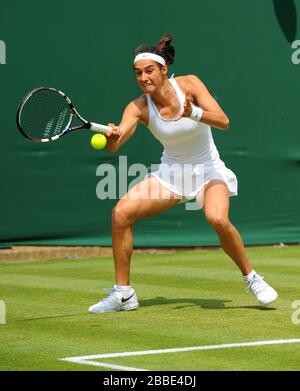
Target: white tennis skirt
[(187, 180)]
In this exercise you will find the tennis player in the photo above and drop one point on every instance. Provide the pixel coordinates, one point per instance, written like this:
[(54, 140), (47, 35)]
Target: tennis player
[(179, 112)]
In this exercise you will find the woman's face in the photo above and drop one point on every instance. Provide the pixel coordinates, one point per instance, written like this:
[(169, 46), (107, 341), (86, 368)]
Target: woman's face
[(149, 75)]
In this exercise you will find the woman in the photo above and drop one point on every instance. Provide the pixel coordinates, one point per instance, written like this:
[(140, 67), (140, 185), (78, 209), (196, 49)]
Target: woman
[(179, 112)]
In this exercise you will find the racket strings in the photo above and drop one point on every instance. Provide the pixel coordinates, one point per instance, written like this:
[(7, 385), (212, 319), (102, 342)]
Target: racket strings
[(45, 114)]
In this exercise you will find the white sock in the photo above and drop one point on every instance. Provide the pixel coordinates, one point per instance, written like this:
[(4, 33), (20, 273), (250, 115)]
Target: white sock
[(249, 276), (123, 287)]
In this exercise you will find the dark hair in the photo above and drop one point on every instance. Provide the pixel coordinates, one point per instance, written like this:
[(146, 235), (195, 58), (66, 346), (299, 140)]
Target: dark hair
[(163, 49)]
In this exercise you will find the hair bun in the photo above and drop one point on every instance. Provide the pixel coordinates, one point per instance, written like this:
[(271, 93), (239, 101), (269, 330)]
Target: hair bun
[(165, 41), (166, 49)]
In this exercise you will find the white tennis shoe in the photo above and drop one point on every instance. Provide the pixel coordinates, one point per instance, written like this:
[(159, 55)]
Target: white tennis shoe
[(264, 293), (119, 299)]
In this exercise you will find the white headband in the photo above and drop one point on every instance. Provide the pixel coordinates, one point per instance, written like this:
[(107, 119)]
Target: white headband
[(150, 56)]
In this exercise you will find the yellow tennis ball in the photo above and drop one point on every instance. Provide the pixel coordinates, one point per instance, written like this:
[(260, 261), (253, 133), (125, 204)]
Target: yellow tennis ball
[(98, 141)]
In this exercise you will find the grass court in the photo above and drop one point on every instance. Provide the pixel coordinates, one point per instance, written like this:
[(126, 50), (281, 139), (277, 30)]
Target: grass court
[(187, 299)]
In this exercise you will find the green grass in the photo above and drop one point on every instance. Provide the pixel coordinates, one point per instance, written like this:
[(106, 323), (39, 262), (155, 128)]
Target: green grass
[(187, 298)]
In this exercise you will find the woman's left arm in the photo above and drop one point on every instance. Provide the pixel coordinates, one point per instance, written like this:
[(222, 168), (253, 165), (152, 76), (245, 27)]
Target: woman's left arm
[(212, 113)]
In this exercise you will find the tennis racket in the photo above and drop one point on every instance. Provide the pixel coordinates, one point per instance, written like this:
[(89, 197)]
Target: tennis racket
[(46, 114)]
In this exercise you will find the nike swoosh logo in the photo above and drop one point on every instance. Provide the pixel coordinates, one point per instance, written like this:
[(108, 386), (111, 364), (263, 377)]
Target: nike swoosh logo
[(123, 300)]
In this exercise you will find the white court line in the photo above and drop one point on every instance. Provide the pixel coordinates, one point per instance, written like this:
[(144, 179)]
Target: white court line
[(88, 360), (102, 364)]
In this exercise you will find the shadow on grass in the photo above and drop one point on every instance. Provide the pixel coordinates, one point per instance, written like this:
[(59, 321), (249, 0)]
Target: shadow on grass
[(203, 303), (211, 304), (53, 317)]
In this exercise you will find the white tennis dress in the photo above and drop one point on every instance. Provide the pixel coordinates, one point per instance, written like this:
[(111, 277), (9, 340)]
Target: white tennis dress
[(190, 159)]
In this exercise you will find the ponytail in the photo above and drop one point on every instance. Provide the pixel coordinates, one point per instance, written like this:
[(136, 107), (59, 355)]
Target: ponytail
[(166, 50), (163, 49)]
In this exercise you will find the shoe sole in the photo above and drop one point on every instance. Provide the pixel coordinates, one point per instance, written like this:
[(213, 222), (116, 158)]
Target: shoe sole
[(269, 302), (135, 307)]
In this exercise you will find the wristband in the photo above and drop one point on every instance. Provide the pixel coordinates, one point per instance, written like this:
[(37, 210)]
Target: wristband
[(196, 113)]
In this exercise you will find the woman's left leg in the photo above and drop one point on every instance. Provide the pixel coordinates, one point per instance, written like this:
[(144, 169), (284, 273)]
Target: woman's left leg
[(216, 209)]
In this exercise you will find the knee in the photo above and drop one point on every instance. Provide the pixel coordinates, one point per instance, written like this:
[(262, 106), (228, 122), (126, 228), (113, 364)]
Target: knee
[(121, 216), (219, 222)]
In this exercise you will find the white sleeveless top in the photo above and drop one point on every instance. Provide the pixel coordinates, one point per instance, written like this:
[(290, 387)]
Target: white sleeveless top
[(185, 140), (189, 150)]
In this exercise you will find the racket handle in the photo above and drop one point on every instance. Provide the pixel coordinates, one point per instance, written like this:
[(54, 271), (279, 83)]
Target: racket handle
[(98, 128)]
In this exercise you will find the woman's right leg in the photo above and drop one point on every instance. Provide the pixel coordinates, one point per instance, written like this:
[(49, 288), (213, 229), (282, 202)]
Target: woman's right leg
[(147, 198)]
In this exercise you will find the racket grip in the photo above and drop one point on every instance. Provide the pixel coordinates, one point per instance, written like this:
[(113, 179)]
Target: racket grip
[(98, 128)]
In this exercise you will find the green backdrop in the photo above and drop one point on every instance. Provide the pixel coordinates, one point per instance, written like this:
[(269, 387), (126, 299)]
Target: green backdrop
[(240, 49)]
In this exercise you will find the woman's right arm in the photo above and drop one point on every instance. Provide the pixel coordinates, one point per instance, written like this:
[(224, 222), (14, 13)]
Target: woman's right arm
[(120, 134)]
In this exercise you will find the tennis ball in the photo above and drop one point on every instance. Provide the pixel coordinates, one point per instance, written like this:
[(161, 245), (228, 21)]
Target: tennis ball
[(98, 141)]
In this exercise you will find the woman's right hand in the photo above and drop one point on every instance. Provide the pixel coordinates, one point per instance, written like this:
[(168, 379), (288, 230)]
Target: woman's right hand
[(114, 132)]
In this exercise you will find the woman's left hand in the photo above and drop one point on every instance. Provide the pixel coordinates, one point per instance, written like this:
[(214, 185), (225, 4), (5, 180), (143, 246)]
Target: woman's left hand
[(187, 109)]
